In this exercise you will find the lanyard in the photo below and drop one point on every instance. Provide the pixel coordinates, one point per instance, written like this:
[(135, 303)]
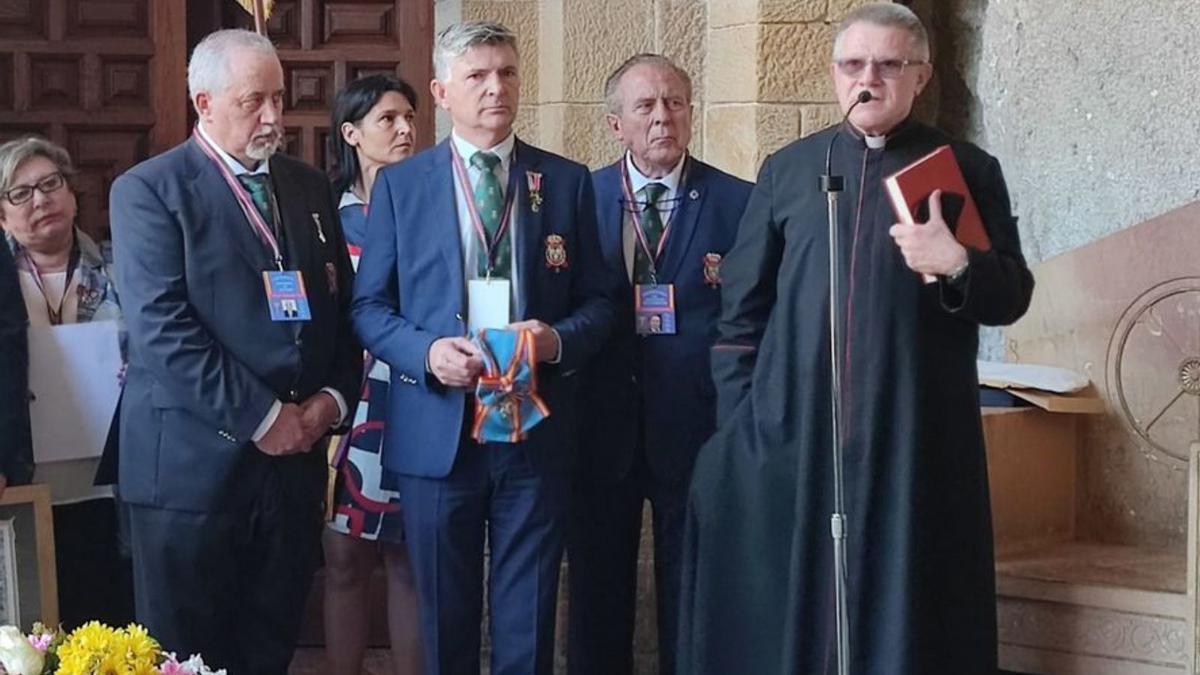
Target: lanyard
[(55, 316), (492, 246), (638, 229), (243, 199)]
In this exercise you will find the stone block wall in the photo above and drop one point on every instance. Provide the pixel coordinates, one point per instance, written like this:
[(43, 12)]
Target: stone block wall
[(759, 68)]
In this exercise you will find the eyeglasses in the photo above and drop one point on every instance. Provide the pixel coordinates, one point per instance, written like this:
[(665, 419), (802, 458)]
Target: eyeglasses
[(889, 69), (23, 193)]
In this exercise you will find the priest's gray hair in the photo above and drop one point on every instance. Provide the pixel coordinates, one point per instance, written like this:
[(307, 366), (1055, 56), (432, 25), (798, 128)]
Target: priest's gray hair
[(456, 39), (887, 15), (210, 67), (613, 102)]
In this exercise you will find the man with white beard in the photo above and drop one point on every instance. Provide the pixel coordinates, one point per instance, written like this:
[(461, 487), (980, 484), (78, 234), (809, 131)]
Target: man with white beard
[(232, 264)]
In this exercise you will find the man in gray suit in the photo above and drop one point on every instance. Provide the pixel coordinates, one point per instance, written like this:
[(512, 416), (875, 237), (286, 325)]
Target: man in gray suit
[(235, 284)]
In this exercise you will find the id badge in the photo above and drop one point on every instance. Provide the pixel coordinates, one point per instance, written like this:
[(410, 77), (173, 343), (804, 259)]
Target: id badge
[(654, 309), (488, 302), (286, 295)]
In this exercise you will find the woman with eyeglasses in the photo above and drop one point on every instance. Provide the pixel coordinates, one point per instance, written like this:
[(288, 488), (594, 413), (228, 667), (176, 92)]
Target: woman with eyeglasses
[(65, 277), (373, 122)]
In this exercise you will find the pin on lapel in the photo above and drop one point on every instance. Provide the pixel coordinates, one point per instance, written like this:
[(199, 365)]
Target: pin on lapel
[(320, 232), (694, 195)]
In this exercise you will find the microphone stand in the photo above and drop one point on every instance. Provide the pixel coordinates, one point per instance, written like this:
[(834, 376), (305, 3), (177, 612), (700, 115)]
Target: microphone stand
[(832, 185)]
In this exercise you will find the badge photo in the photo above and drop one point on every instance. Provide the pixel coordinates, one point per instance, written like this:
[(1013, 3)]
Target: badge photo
[(556, 252)]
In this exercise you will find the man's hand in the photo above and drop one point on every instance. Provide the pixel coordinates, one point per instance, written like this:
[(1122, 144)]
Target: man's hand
[(288, 435), (455, 361), (3, 484), (319, 413), (930, 248), (544, 339)]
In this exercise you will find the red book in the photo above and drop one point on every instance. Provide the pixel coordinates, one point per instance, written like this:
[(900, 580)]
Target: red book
[(910, 187)]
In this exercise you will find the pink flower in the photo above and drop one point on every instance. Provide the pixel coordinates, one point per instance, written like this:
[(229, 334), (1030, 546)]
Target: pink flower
[(41, 642)]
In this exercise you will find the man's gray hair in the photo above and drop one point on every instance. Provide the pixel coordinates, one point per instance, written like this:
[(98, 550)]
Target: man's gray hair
[(14, 153), (456, 39), (210, 67), (887, 15), (612, 101)]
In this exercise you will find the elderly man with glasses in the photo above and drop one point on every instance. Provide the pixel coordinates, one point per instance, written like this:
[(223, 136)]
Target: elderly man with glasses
[(759, 594)]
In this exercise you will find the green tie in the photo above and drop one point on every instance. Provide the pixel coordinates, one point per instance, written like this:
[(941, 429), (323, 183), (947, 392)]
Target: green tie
[(652, 226), (489, 202), (259, 186)]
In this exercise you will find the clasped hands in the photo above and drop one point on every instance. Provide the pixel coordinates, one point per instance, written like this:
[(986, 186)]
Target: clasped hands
[(299, 425), (930, 247), (457, 362)]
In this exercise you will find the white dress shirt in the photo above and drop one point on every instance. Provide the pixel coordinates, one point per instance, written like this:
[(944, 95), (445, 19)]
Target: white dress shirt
[(465, 195), (666, 205), (265, 168)]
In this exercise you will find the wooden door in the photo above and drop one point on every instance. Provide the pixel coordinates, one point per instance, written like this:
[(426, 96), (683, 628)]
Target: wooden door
[(106, 79), (324, 44)]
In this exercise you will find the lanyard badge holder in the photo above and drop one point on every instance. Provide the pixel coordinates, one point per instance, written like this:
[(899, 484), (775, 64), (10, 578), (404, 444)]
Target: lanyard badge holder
[(287, 298), (654, 303), (489, 300)]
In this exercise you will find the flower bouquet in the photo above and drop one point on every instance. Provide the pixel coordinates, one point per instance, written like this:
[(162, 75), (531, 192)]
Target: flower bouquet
[(91, 649)]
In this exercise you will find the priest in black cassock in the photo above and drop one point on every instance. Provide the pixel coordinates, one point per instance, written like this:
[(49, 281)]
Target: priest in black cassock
[(758, 594)]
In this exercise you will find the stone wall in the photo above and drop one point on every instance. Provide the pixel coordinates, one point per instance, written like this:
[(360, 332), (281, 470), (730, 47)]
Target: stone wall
[(759, 68)]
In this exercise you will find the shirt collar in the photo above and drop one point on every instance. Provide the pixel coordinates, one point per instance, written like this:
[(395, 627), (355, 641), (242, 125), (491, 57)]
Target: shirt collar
[(349, 199), (503, 150), (234, 165), (638, 180)]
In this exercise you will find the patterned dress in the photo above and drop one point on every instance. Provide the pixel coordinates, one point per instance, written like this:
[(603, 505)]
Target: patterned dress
[(366, 503)]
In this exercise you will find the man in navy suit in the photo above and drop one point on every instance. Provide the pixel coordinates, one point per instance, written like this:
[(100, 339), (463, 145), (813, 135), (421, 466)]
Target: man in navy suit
[(481, 230), (226, 395), (665, 220)]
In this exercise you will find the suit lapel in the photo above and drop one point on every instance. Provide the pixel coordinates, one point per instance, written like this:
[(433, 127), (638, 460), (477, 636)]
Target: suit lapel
[(689, 201), (211, 190), (299, 225), (530, 223), (612, 218), (439, 184)]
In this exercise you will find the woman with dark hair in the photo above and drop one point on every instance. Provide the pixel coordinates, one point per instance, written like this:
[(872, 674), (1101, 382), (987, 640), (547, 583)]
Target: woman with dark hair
[(373, 121)]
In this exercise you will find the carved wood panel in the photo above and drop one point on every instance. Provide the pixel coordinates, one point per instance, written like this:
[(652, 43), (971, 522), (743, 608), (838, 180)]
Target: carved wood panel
[(326, 43), (103, 78)]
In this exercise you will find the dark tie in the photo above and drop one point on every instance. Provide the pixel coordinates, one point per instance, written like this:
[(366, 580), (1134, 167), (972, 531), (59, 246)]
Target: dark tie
[(652, 226), (259, 187), (489, 202)]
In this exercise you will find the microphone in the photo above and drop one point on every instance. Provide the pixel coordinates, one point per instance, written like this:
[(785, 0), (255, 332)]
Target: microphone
[(831, 183)]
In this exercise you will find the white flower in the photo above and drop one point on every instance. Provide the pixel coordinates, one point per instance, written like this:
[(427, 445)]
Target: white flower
[(196, 664), (18, 656)]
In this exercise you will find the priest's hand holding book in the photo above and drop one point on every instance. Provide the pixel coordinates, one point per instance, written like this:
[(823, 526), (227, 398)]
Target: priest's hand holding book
[(930, 248)]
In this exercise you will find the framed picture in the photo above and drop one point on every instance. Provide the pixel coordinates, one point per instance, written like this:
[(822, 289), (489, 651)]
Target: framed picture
[(28, 579)]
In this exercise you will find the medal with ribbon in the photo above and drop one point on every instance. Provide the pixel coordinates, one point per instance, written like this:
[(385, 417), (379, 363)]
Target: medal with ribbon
[(491, 245), (507, 404)]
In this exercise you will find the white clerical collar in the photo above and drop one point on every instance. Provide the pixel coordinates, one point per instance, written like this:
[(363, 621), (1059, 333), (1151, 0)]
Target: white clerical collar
[(349, 199), (875, 142), (235, 166), (638, 180), (503, 149)]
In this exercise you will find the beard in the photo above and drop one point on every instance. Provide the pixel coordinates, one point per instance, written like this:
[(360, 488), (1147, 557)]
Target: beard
[(264, 143)]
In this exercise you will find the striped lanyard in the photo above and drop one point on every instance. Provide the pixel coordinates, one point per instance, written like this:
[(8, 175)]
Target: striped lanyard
[(636, 212), (244, 200), (490, 245)]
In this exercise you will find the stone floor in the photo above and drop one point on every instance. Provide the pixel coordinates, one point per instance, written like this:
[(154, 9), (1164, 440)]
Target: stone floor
[(310, 657)]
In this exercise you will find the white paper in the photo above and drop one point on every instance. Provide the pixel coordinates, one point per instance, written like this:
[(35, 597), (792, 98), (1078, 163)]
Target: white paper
[(73, 376), (1030, 376), (487, 303)]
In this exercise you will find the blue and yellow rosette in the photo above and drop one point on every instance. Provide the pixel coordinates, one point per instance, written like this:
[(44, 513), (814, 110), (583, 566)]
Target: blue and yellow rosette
[(507, 405)]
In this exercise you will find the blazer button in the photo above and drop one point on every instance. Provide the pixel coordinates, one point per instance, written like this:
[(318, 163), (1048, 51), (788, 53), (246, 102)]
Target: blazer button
[(458, 315), (294, 396)]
